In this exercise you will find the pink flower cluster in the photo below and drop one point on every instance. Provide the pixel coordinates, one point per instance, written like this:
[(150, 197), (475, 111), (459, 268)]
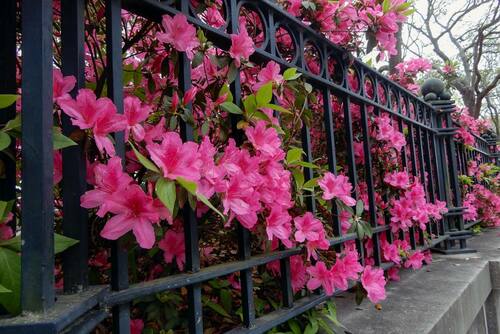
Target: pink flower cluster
[(345, 268), (388, 134), (412, 208)]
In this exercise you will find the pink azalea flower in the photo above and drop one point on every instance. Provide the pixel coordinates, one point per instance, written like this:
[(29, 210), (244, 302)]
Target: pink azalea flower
[(135, 113), (397, 180), (320, 276), (107, 121), (57, 167), (352, 265), (136, 326), (62, 85), (337, 187), (6, 231), (242, 46), (278, 225), (308, 228), (176, 159), (109, 180), (134, 211), (84, 110), (391, 252), (373, 282), (393, 274), (298, 273), (402, 214), (270, 72), (99, 114), (321, 243), (415, 260), (179, 33), (265, 140), (173, 245)]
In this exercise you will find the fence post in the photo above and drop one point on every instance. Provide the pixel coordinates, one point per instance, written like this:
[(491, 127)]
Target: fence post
[(434, 93)]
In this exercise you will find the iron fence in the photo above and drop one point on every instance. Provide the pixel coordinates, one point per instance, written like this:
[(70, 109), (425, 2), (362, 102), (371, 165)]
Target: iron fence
[(430, 155)]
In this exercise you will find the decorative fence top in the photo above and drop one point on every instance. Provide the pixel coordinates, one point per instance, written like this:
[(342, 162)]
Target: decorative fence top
[(234, 194)]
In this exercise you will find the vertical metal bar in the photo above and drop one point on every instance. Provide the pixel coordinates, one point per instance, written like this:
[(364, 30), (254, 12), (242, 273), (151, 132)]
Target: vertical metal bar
[(331, 153), (369, 176), (37, 273), (247, 298), (75, 217), (308, 172), (349, 139), (119, 254), (8, 86), (190, 223)]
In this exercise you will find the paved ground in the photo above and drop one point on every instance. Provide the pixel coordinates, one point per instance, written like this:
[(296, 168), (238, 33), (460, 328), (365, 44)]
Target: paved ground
[(441, 298)]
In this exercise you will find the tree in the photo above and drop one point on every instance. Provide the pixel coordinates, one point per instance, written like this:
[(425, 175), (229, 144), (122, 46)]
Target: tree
[(470, 49)]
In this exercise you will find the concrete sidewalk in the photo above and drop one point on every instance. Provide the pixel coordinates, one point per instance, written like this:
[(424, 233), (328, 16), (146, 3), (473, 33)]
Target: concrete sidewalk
[(456, 294)]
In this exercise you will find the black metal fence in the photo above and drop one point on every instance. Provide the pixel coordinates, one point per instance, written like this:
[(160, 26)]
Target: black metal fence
[(430, 155)]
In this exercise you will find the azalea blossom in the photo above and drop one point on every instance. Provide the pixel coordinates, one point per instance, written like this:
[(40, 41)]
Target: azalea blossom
[(62, 85), (172, 246), (278, 225), (242, 45), (176, 159), (135, 113), (308, 228), (373, 282), (397, 180), (337, 187), (320, 276), (179, 33), (134, 211), (265, 140), (415, 260)]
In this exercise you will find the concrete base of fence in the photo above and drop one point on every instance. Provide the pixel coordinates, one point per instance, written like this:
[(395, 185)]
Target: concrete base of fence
[(456, 294)]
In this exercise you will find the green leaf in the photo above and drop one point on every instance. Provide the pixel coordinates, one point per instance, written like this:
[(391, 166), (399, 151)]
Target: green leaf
[(4, 289), (250, 104), (294, 326), (165, 190), (5, 208), (13, 124), (232, 108), (306, 164), (226, 299), (359, 208), (261, 115), (409, 12), (265, 94), (144, 161), (367, 229), (311, 183), (312, 327), (298, 176), (215, 307), (291, 74), (7, 100), (293, 155), (205, 201), (10, 278), (191, 187), (61, 243), (277, 108), (386, 6), (60, 141), (226, 91), (4, 140)]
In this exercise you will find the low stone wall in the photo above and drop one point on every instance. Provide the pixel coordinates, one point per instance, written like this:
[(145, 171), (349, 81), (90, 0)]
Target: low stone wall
[(456, 294)]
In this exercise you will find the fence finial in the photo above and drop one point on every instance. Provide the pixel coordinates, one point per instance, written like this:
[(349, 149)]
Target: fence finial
[(434, 89)]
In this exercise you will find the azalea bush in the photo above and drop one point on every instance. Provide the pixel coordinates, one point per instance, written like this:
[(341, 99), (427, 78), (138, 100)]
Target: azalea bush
[(244, 167)]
